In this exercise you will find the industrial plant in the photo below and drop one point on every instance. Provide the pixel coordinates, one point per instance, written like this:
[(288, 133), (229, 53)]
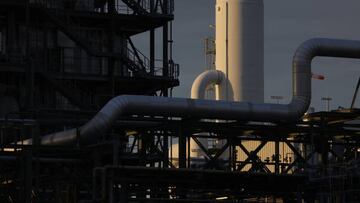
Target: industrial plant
[(87, 117)]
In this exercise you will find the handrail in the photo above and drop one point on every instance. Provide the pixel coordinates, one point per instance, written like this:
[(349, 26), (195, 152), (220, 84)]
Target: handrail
[(121, 7), (67, 63), (138, 63)]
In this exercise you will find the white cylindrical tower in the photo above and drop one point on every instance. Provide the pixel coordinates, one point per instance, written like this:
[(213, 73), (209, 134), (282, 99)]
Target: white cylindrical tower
[(240, 49), (239, 58)]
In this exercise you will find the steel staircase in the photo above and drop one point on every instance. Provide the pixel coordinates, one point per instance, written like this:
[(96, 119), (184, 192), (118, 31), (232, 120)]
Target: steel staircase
[(70, 91), (144, 7), (138, 6), (65, 24), (134, 60)]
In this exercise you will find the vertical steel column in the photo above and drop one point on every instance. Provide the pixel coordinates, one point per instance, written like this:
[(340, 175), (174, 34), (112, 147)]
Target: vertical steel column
[(152, 52), (111, 7), (236, 167), (165, 48), (116, 151), (152, 43), (26, 176), (182, 148), (112, 49), (234, 157), (165, 74), (11, 33), (95, 183), (27, 23), (110, 187), (166, 149), (103, 185), (30, 83), (355, 94), (232, 153), (324, 145), (170, 43), (35, 131), (142, 148), (188, 140), (277, 157)]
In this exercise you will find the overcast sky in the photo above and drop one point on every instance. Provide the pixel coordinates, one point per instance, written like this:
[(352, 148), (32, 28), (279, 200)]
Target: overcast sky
[(287, 24)]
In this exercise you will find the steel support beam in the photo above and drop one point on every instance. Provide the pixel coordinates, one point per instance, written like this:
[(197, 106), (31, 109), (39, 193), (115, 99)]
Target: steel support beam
[(254, 158), (251, 155), (182, 148)]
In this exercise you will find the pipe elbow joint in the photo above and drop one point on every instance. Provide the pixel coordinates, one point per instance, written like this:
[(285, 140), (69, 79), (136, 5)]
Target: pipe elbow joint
[(203, 81), (298, 107)]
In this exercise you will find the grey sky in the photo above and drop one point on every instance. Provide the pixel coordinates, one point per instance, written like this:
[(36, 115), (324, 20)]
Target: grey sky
[(287, 24)]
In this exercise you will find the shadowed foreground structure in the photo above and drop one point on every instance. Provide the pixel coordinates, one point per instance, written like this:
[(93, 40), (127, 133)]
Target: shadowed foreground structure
[(62, 61)]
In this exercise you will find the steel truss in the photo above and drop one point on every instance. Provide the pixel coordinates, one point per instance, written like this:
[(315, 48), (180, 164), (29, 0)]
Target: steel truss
[(135, 166)]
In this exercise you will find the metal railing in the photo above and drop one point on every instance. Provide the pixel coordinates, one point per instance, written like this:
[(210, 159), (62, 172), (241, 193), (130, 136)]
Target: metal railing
[(139, 59), (157, 7), (75, 60), (173, 69), (72, 60)]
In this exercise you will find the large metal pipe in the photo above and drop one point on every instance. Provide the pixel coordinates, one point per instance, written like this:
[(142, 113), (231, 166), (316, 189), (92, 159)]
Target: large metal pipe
[(181, 107), (303, 57), (198, 90), (203, 81)]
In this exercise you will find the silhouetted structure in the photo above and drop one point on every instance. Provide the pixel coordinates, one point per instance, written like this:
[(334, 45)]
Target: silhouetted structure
[(62, 60)]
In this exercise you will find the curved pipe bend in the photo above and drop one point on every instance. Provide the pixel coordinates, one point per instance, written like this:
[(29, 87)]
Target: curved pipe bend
[(181, 107), (302, 60), (203, 81)]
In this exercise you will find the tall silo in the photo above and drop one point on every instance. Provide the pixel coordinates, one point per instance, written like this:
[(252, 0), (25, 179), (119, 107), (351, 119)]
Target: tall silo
[(240, 49), (239, 59)]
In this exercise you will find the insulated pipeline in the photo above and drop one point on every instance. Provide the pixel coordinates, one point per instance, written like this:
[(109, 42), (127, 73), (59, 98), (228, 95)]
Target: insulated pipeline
[(203, 81), (197, 108)]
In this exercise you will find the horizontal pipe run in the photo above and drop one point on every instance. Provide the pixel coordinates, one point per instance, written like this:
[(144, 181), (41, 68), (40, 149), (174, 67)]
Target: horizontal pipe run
[(7, 158), (185, 108), (167, 107)]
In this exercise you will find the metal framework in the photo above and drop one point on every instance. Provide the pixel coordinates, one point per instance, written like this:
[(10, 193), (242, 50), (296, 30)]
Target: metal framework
[(135, 166), (62, 60)]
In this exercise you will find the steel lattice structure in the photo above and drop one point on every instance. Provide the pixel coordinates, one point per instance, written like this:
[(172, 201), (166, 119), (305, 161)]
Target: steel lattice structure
[(60, 62)]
